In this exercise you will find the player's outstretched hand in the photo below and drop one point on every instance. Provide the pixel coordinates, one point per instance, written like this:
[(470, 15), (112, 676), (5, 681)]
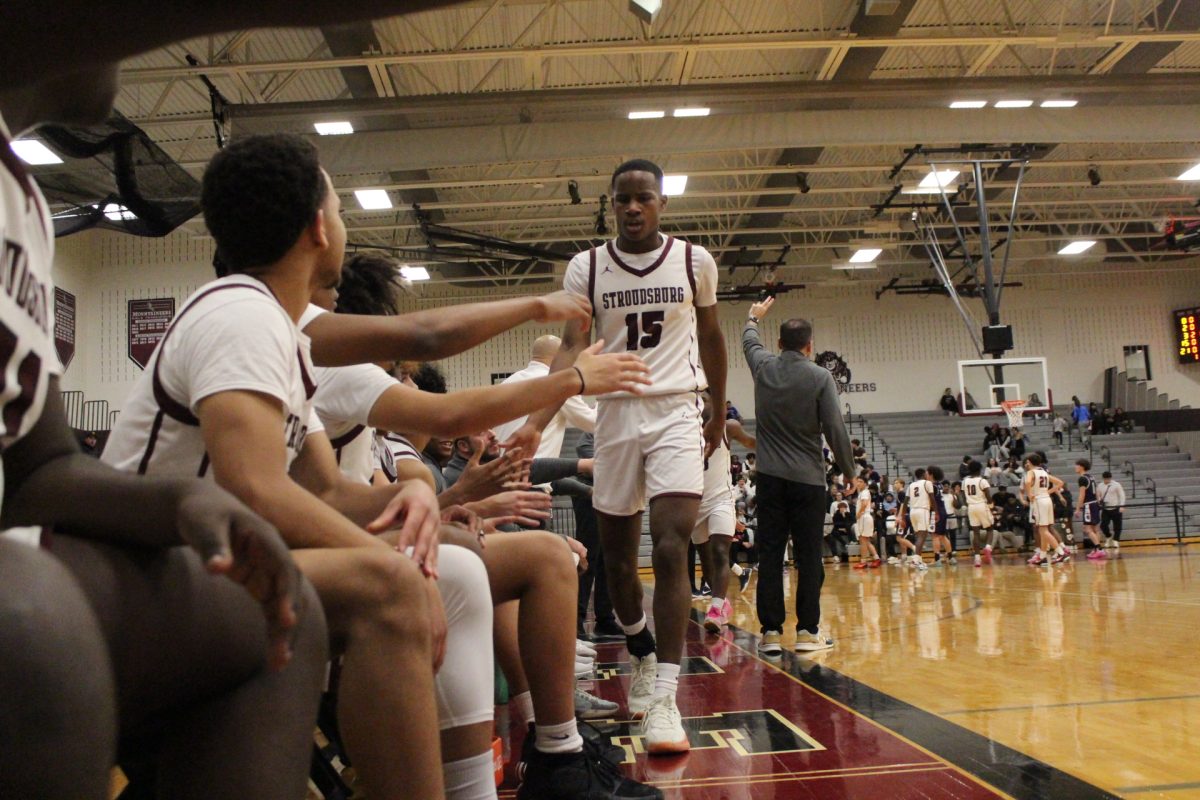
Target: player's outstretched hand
[(563, 306), (714, 434), (524, 439), (761, 308), (524, 508), (235, 542), (509, 471), (611, 372), (416, 507)]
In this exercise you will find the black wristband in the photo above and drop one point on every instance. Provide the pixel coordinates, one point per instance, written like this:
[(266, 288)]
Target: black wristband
[(582, 383)]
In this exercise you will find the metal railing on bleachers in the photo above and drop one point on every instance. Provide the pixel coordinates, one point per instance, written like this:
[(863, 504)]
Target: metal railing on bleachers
[(73, 408), (95, 415)]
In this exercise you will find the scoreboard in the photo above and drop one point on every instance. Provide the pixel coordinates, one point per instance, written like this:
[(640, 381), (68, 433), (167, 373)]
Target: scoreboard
[(1187, 335)]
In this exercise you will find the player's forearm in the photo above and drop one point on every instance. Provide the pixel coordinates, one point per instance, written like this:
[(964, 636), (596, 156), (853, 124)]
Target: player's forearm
[(360, 502), (303, 519), (563, 359)]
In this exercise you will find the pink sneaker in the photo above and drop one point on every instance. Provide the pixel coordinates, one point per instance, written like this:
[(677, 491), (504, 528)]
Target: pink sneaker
[(716, 618), (1097, 555), (1038, 558)]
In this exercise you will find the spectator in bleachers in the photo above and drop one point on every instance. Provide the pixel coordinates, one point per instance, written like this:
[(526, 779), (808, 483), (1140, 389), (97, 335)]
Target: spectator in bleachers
[(1059, 426), (1102, 422), (841, 531), (948, 403), (994, 473), (90, 445), (1017, 448), (731, 411), (965, 467), (859, 452), (1081, 418), (1121, 421), (750, 465)]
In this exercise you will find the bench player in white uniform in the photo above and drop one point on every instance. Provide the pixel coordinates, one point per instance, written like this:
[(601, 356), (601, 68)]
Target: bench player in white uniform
[(653, 295), (116, 627), (918, 505), (979, 512), (717, 520), (1038, 486), (864, 525)]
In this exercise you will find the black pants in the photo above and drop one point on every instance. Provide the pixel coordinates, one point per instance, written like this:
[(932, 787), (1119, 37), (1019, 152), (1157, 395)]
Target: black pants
[(588, 535), (839, 539), (787, 509), (1114, 517)]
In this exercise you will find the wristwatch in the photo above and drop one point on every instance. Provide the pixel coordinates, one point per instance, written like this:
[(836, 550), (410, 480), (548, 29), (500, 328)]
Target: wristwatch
[(753, 319)]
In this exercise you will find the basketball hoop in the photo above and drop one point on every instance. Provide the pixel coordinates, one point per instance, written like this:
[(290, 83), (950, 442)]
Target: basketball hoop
[(1015, 411)]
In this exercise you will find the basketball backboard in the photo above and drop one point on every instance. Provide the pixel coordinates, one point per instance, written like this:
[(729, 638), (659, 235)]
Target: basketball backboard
[(984, 384)]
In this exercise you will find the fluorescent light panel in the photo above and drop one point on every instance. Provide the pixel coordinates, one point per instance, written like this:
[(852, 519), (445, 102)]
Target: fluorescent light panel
[(414, 273), (866, 255), (1059, 103), (939, 178), (968, 104), (1076, 247), (647, 114), (691, 112), (333, 128), (673, 185), (373, 199), (849, 265), (1013, 103), (34, 153), (1192, 174), (117, 213)]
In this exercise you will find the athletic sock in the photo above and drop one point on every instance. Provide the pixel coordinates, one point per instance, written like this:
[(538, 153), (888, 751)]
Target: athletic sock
[(471, 778), (638, 638), (563, 738), (522, 704), (667, 679), (717, 602), (737, 570)]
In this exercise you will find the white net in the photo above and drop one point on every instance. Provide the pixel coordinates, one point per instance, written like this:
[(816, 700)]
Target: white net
[(1015, 411)]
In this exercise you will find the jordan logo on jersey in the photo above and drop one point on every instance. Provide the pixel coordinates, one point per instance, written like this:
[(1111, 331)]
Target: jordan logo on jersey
[(22, 285)]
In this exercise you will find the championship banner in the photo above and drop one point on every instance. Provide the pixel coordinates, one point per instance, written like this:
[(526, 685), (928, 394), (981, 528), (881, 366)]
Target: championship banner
[(64, 326), (148, 321)]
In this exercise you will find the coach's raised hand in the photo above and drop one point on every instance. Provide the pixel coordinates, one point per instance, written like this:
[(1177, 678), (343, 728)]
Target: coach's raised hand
[(563, 306), (611, 372), (234, 541)]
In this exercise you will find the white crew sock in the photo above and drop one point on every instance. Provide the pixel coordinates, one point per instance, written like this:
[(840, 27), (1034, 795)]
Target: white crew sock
[(562, 738), (635, 628), (717, 602), (667, 679), (737, 570), (522, 704), (471, 778)]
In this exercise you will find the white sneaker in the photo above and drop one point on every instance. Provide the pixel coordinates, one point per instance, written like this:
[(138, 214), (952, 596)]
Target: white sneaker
[(662, 727), (769, 644), (810, 642), (893, 561), (585, 670), (588, 706), (583, 648), (1116, 545), (978, 560), (921, 565), (641, 684)]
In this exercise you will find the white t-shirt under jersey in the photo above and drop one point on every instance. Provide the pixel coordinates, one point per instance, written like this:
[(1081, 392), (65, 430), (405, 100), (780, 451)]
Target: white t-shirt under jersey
[(974, 489), (344, 399), (646, 303), (27, 355), (231, 335)]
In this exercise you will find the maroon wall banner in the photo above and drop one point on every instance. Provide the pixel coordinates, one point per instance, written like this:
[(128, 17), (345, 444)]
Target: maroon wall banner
[(148, 321), (64, 325)]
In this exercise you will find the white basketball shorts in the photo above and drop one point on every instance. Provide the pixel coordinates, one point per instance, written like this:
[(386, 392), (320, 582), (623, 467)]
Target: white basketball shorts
[(716, 520), (920, 519), (980, 515), (1042, 511)]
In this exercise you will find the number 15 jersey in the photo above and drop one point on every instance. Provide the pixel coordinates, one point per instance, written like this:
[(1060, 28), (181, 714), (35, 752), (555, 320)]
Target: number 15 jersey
[(646, 303)]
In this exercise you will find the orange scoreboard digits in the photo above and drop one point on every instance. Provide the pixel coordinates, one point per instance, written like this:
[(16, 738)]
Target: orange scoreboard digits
[(1187, 336)]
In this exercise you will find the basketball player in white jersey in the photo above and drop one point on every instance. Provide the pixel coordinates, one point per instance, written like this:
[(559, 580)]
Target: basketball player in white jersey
[(1038, 486), (717, 520), (117, 627), (919, 508), (653, 295), (979, 512), (864, 526)]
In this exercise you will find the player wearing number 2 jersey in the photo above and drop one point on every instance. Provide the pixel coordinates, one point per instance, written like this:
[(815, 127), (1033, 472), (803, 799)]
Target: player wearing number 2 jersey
[(653, 295)]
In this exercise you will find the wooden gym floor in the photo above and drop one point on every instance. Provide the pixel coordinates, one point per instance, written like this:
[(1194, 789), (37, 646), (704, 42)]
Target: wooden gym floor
[(1075, 681)]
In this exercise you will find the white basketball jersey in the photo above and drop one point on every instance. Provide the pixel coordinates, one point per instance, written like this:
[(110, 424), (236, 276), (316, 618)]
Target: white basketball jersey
[(919, 493), (718, 481), (646, 303), (1040, 485), (974, 489), (864, 497), (27, 355), (231, 335)]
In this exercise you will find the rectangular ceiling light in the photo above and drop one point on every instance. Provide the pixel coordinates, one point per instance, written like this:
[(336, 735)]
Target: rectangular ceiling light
[(1076, 247), (848, 265), (414, 273), (690, 112), (647, 114), (373, 199), (34, 153), (866, 255), (968, 104), (939, 179), (645, 10), (673, 185), (117, 212), (333, 128), (1192, 174), (1013, 103), (1059, 103)]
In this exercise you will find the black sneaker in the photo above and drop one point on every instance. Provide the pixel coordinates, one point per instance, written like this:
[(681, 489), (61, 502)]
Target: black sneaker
[(578, 776), (705, 591), (595, 743), (744, 578), (607, 631)]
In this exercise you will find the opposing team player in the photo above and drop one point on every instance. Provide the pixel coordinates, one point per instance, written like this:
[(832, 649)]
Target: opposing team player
[(1087, 507), (1037, 487), (653, 295), (918, 508), (716, 522), (864, 526), (943, 550), (979, 513)]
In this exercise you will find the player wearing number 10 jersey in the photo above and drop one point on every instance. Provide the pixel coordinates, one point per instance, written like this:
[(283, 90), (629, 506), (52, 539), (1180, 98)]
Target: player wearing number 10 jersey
[(653, 295)]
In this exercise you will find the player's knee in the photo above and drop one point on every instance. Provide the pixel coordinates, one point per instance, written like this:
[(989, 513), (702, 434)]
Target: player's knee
[(671, 550), (393, 595), (310, 640)]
